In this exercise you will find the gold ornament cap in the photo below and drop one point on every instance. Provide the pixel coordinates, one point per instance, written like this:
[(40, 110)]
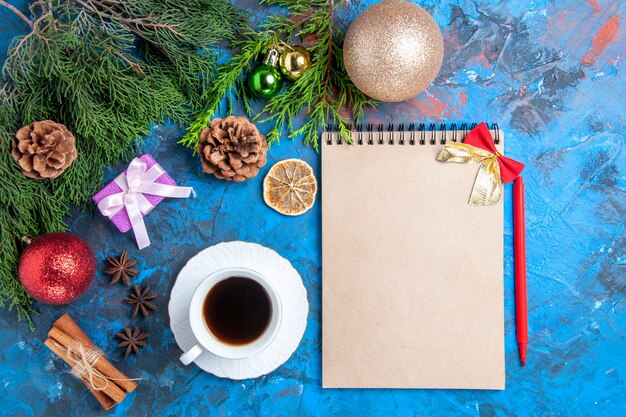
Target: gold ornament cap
[(271, 58), (393, 50)]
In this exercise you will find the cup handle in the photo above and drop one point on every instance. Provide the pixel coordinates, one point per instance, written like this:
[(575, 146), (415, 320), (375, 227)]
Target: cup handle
[(191, 355)]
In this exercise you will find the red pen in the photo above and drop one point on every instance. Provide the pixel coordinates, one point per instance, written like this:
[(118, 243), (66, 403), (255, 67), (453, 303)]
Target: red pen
[(521, 299)]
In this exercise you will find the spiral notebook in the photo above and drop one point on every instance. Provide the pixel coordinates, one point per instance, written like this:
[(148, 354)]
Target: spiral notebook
[(412, 274)]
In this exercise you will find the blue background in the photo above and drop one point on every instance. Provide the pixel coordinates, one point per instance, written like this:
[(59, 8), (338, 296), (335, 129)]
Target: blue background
[(549, 74)]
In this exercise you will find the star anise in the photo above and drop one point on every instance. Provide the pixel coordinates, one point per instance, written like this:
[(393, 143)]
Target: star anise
[(132, 340), (123, 268), (140, 300)]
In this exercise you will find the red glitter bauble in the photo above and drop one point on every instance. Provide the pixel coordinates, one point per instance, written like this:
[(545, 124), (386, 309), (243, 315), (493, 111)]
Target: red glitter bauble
[(57, 268)]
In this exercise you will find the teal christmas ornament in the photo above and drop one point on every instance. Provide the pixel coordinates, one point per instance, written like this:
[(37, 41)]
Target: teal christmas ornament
[(265, 80)]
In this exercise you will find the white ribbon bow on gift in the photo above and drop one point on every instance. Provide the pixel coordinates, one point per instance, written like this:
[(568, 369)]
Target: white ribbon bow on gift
[(137, 181)]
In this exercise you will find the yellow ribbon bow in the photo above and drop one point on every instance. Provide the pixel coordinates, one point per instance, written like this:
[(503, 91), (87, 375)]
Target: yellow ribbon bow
[(495, 168), (487, 188)]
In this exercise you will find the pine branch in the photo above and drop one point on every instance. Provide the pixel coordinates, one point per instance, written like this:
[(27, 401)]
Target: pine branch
[(17, 12), (324, 94), (80, 66), (228, 76)]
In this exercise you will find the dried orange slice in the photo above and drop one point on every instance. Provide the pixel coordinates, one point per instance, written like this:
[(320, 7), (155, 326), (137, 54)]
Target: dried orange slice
[(290, 187)]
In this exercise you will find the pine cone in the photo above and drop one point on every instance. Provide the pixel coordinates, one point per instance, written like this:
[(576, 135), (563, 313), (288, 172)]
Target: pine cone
[(232, 149), (44, 149)]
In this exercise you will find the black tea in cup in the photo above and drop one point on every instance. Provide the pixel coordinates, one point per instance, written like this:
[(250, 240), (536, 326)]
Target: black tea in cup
[(237, 310)]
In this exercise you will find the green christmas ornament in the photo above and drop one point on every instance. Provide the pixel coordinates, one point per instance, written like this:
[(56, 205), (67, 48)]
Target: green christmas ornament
[(294, 62), (265, 80)]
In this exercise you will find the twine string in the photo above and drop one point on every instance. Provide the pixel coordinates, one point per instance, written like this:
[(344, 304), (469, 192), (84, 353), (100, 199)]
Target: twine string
[(84, 366)]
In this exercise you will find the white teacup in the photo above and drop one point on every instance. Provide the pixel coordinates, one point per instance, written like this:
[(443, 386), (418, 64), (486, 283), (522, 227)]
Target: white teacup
[(206, 340)]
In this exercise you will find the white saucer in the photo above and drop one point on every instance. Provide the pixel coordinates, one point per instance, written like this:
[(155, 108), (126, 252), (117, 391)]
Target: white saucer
[(261, 259)]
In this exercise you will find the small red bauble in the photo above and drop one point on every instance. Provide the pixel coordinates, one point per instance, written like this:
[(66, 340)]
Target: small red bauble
[(57, 268)]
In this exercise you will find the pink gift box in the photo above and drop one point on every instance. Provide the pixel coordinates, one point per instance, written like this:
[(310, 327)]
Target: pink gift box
[(121, 219)]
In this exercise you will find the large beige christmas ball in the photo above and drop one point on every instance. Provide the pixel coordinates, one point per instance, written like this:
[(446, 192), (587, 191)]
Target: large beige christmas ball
[(393, 50)]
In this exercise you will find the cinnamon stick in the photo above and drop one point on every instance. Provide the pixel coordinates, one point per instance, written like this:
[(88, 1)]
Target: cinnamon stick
[(66, 342), (105, 401), (68, 326)]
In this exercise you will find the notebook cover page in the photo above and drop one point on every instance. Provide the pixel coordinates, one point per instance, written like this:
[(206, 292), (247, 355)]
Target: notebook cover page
[(412, 274)]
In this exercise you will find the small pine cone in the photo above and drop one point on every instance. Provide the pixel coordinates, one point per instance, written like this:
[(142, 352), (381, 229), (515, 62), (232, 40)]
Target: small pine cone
[(44, 149), (232, 149)]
